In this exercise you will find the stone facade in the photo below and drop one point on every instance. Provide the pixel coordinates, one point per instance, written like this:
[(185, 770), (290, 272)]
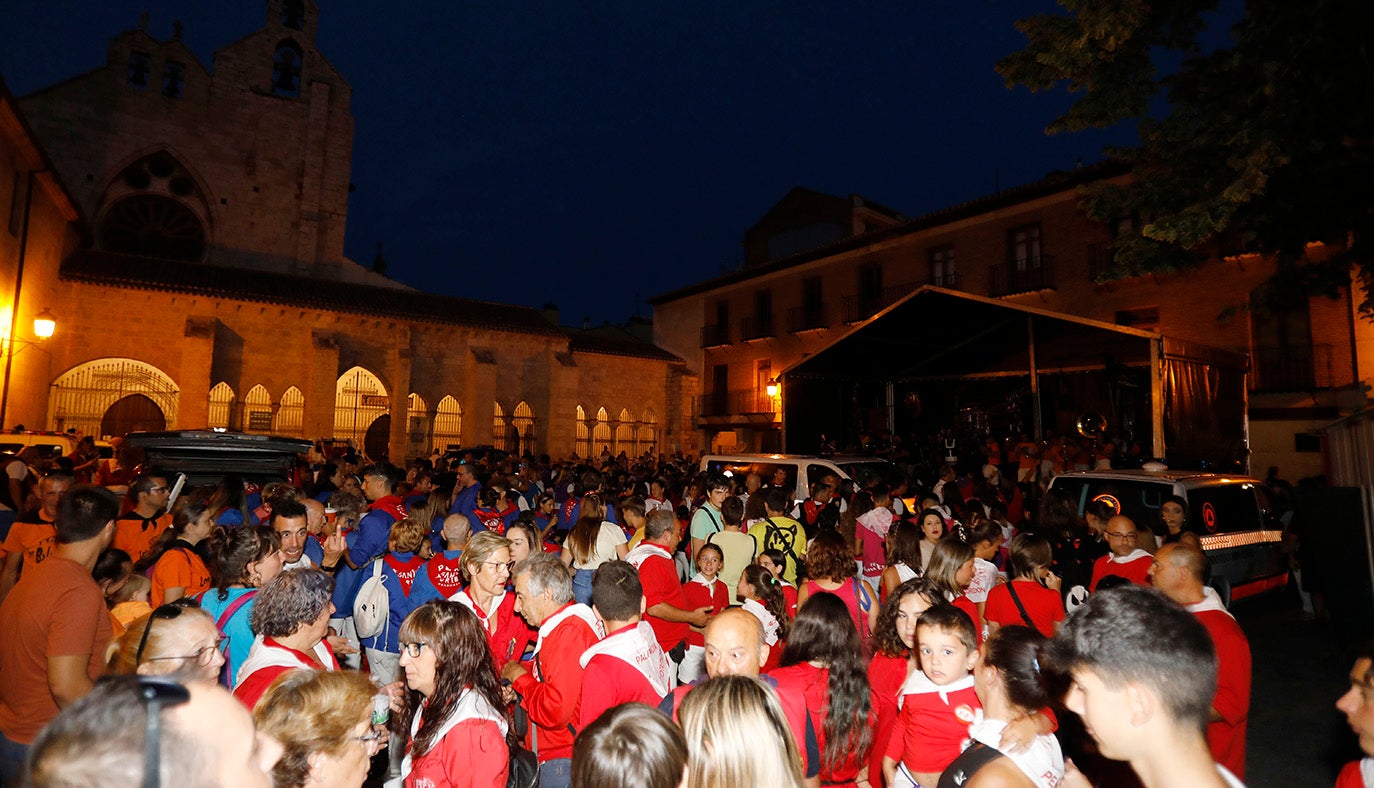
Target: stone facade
[(211, 288)]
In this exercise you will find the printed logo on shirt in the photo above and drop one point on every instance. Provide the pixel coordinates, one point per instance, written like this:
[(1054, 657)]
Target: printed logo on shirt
[(965, 714)]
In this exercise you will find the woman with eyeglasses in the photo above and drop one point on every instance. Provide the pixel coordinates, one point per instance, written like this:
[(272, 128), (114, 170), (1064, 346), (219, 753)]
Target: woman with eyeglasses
[(178, 569), (291, 617), (176, 639), (487, 567), (323, 720), (452, 710), (242, 561)]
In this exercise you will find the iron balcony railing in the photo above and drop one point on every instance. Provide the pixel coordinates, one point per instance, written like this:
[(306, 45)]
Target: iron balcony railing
[(736, 403), (715, 334), (1296, 367), (1021, 276), (807, 318), (756, 327)]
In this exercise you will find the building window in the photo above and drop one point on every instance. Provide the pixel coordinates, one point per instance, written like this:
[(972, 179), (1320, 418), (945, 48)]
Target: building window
[(173, 79), (942, 271), (293, 14), (1023, 247), (286, 70), (140, 66)]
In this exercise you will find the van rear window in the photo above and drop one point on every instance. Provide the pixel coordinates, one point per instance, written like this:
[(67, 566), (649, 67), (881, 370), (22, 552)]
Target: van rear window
[(1137, 499), (1218, 510)]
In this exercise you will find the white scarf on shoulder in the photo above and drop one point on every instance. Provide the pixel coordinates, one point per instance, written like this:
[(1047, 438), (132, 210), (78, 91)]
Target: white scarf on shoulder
[(576, 610), (643, 551), (769, 621), (638, 647), (471, 706)]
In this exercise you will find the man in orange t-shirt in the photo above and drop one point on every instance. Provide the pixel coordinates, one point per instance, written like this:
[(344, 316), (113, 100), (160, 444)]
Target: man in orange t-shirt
[(33, 537), (54, 627), (138, 529)]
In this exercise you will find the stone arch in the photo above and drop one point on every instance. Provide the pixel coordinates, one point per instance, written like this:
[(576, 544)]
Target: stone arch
[(498, 426), (80, 397), (360, 399), (522, 427), (417, 424), (624, 433), (583, 434), (290, 419), (155, 206), (448, 424), (288, 68), (257, 410), (646, 436), (221, 411), (601, 433)]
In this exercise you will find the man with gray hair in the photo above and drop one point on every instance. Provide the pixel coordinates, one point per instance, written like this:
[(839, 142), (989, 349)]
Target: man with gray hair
[(197, 735), (552, 693)]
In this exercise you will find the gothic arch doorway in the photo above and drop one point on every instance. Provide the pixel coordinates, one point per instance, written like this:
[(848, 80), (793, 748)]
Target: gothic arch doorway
[(81, 396), (132, 413)]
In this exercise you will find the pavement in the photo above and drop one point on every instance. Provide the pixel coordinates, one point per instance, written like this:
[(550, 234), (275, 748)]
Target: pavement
[(1297, 738)]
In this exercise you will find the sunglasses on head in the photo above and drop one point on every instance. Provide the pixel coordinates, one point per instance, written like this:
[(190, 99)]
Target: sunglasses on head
[(166, 612)]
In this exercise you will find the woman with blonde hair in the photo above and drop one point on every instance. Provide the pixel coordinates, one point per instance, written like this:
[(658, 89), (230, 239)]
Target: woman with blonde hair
[(737, 735), (487, 566), (323, 720), (176, 639)]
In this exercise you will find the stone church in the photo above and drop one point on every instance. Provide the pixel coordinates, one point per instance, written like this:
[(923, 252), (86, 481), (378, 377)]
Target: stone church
[(184, 227)]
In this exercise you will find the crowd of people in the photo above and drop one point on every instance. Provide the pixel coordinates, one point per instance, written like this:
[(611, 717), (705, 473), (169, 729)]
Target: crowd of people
[(503, 619)]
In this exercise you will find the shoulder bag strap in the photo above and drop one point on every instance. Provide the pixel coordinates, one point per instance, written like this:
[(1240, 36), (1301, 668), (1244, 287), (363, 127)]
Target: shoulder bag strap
[(233, 608), (1011, 589)]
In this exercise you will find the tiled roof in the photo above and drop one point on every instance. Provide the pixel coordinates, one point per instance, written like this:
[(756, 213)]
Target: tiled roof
[(600, 344), (145, 273), (1051, 184)]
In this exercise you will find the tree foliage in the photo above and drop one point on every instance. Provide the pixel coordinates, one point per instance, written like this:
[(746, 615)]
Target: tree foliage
[(1268, 139)]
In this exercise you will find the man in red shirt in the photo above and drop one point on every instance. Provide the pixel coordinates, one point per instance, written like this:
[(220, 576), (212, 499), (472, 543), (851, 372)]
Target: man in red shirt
[(628, 664), (551, 693), (1125, 559), (667, 610), (1178, 571)]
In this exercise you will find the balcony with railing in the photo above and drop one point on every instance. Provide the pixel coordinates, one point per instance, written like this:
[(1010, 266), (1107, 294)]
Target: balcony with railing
[(1021, 276), (1292, 368), (715, 334), (808, 318), (856, 308), (741, 404), (754, 327), (950, 281)]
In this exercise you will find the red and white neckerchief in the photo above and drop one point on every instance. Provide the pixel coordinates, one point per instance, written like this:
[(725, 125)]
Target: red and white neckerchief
[(485, 617), (645, 550), (570, 610), (769, 621), (638, 647)]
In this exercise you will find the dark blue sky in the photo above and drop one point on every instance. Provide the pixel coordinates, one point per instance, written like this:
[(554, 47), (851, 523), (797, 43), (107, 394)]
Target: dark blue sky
[(597, 154)]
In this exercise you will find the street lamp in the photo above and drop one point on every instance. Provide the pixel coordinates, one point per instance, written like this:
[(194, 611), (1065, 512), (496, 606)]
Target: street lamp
[(44, 324), (772, 388)]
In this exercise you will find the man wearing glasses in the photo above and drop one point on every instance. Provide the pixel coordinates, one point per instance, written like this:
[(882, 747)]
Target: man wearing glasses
[(1125, 559), (137, 530), (54, 626)]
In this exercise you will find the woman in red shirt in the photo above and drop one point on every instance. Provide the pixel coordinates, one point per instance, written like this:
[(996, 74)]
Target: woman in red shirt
[(452, 709), (951, 571), (824, 661), (1036, 588), (894, 660)]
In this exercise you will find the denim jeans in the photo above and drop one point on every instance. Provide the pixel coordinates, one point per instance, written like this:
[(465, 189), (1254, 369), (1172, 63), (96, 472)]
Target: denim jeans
[(12, 755), (556, 773), (582, 587)]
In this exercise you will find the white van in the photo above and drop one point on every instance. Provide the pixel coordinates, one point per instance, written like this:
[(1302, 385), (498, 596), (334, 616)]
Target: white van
[(1227, 513), (801, 469)]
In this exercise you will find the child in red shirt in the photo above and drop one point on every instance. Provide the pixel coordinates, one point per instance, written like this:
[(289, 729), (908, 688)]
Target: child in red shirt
[(937, 702), (705, 589)]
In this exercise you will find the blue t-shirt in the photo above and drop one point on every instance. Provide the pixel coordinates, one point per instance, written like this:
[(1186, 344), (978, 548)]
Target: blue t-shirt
[(236, 628)]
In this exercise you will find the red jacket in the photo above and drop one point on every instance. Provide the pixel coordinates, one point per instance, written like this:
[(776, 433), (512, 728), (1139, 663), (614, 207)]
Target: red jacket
[(552, 692), (472, 755), (1226, 737)]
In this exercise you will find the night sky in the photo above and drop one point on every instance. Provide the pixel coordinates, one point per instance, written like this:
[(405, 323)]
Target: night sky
[(597, 154)]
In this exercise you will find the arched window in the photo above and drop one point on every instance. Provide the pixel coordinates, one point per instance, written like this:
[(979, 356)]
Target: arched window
[(498, 426), (359, 400), (646, 437), (601, 434), (291, 414), (448, 424), (154, 207), (584, 434), (85, 397), (221, 406), (625, 433), (417, 424), (522, 422), (257, 410), (286, 69)]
